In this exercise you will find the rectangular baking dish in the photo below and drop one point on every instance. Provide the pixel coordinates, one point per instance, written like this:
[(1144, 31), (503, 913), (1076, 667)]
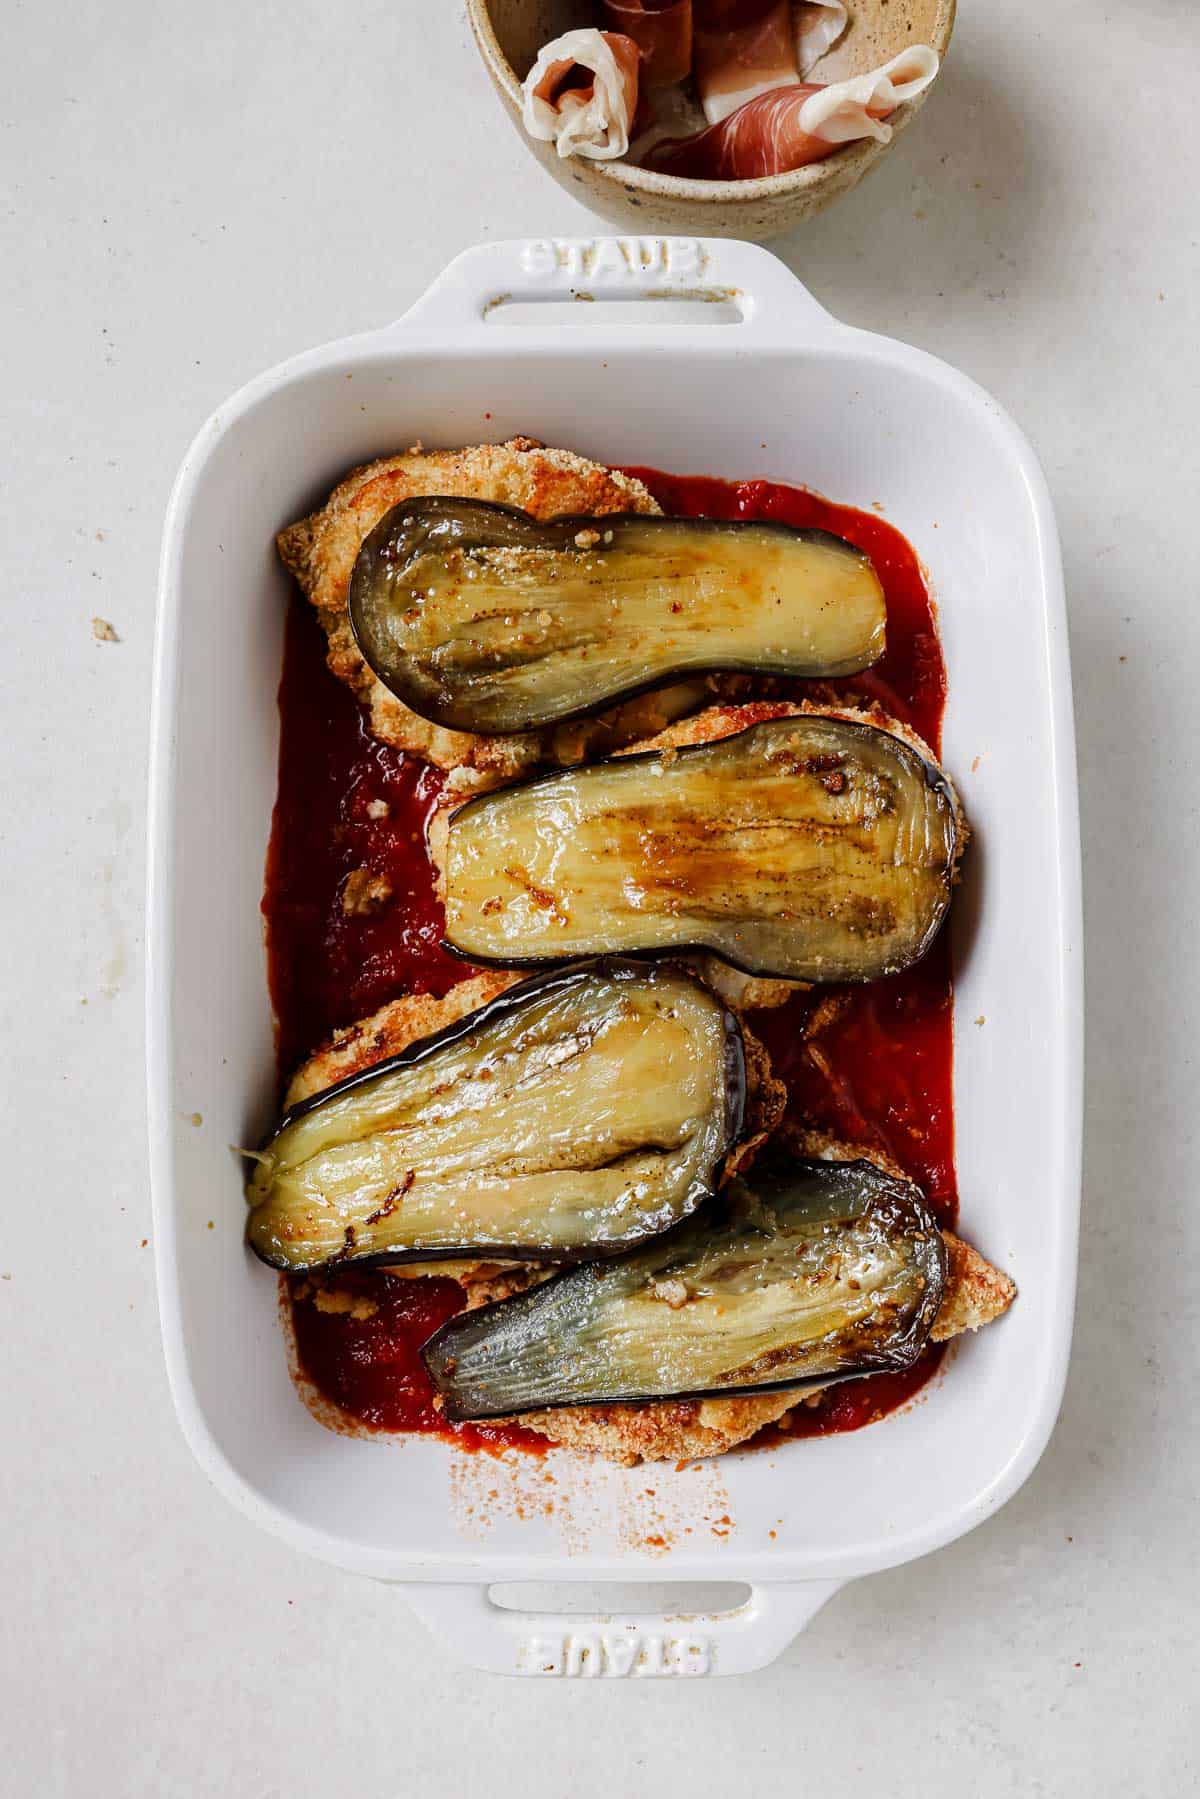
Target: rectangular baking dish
[(783, 390)]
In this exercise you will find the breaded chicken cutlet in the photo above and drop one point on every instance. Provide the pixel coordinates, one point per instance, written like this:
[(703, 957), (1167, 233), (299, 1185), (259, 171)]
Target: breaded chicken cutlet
[(320, 551), (669, 1429), (691, 1429)]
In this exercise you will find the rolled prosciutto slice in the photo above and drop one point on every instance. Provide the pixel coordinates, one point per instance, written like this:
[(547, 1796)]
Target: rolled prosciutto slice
[(788, 127), (742, 48), (662, 31), (582, 92)]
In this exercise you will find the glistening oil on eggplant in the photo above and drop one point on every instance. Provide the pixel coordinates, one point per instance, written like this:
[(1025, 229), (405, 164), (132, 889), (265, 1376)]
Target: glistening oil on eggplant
[(588, 612), (804, 1274), (663, 853), (409, 1160)]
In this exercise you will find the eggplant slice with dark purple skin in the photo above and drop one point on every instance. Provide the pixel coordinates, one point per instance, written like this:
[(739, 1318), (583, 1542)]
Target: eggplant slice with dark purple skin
[(480, 618), (807, 1273), (807, 848), (578, 1114)]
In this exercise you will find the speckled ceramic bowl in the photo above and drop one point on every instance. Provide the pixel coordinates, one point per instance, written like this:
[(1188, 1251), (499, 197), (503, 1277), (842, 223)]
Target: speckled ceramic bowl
[(511, 32)]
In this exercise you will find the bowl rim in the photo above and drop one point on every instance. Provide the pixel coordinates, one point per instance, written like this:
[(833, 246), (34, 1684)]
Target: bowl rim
[(809, 179)]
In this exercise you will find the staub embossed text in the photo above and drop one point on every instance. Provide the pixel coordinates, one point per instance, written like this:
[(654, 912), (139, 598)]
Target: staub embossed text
[(615, 259), (616, 1655)]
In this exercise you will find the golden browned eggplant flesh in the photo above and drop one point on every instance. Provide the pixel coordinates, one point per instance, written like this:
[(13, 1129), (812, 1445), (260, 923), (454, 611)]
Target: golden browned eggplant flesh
[(578, 1113), (480, 618), (808, 847), (807, 1273)]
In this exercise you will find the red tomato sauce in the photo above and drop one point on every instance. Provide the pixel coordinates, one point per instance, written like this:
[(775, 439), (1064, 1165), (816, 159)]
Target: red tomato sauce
[(877, 1070), (345, 802), (851, 1406), (371, 1368)]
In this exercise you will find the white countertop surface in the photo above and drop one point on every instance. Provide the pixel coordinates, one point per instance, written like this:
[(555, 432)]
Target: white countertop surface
[(192, 195)]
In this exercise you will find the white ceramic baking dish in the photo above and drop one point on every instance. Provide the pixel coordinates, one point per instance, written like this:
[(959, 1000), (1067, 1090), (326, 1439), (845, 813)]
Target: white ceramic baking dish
[(786, 391)]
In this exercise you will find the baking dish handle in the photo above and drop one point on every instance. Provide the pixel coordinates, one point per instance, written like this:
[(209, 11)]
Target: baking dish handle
[(476, 1630), (773, 305)]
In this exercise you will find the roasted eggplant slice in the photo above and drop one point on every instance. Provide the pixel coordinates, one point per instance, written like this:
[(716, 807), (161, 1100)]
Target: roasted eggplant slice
[(812, 1272), (480, 618), (806, 847), (577, 1114)]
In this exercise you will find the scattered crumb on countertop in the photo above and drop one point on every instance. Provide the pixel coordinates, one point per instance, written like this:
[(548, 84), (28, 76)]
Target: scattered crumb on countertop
[(103, 632)]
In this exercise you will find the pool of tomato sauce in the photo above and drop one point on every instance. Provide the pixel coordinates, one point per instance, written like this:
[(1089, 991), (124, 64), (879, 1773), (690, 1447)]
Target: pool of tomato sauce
[(879, 1073)]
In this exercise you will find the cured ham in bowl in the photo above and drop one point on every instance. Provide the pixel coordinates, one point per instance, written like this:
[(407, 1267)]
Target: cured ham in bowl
[(511, 33), (747, 47), (786, 128), (662, 31), (581, 94)]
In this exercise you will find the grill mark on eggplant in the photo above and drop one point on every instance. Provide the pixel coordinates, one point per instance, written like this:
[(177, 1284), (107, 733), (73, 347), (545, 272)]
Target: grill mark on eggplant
[(541, 895), (393, 1199)]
